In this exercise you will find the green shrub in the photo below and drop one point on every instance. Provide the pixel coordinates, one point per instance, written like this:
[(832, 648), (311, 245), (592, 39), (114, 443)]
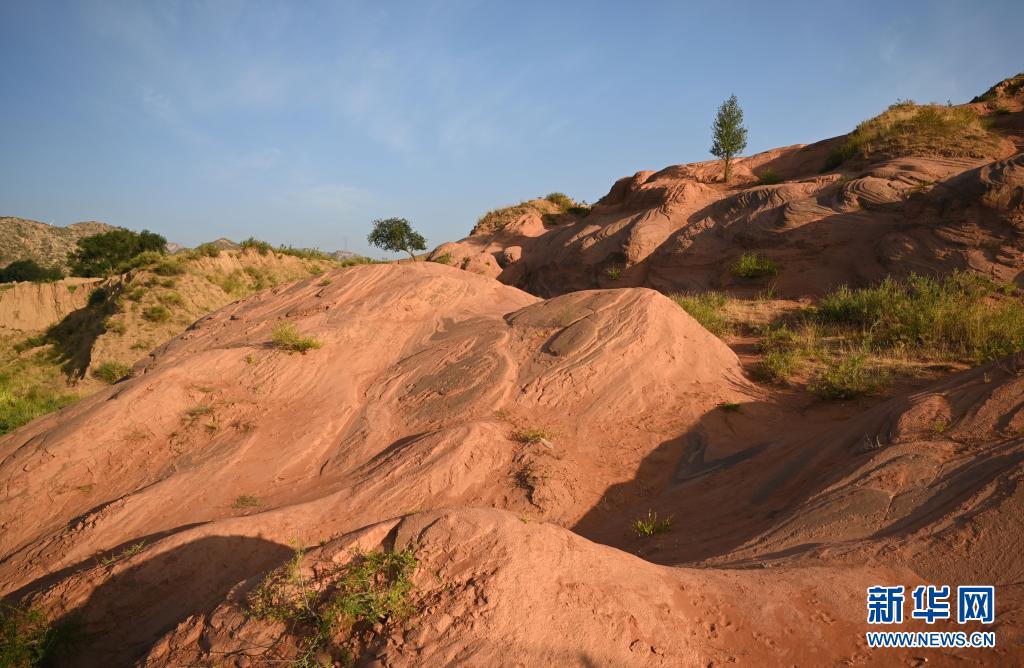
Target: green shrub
[(847, 377), (110, 372), (768, 177), (354, 261), (18, 407), (208, 249), (262, 278), (532, 436), (98, 296), (580, 211), (141, 261), (233, 284), (561, 200), (613, 272), (705, 308), (779, 366), (373, 589), (135, 294), (156, 313), (104, 254), (246, 501), (286, 337), (169, 267), (645, 527), (252, 243), (115, 325), (29, 270), (752, 265), (304, 253), (171, 299), (445, 258), (29, 639)]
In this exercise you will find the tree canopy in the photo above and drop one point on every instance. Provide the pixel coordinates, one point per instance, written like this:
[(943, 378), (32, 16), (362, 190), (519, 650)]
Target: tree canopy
[(397, 235), (29, 270), (107, 253), (728, 134)]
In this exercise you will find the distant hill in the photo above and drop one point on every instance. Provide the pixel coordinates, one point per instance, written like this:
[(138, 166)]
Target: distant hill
[(49, 245)]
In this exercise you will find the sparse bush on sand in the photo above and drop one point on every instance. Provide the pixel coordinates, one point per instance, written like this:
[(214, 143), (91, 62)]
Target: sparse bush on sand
[(374, 589), (29, 639), (753, 265), (286, 337), (645, 527), (705, 308), (110, 372)]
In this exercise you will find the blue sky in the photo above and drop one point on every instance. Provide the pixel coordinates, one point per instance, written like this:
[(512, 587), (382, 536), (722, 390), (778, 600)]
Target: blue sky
[(299, 122)]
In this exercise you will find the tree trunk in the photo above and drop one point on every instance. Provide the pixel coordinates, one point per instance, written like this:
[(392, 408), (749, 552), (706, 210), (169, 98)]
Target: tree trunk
[(726, 177), (411, 254)]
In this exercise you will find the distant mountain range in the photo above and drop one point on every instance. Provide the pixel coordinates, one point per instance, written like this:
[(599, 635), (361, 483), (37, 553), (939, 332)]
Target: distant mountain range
[(49, 245)]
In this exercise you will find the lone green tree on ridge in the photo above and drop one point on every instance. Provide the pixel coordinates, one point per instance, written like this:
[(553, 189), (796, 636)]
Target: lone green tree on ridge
[(105, 254), (728, 134), (397, 235)]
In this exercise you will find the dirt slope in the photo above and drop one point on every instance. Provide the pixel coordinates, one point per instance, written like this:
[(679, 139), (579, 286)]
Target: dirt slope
[(22, 239), (31, 307), (412, 416), (915, 202)]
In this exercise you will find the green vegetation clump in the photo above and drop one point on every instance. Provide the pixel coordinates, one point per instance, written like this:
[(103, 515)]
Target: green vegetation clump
[(753, 265), (171, 299), (115, 325), (286, 337), (846, 377), (645, 527), (396, 235), (29, 270), (561, 200), (768, 178), (359, 259), (444, 258), (374, 588), (110, 372), (304, 253), (532, 436), (907, 128), (28, 639), (855, 340), (728, 134), (963, 316), (705, 308), (156, 313), (246, 501), (98, 296), (208, 249), (20, 406), (613, 272), (105, 254), (169, 267), (252, 243)]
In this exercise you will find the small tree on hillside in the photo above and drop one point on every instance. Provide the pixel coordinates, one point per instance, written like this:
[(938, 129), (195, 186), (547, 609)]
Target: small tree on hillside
[(397, 235), (104, 254), (728, 133)]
